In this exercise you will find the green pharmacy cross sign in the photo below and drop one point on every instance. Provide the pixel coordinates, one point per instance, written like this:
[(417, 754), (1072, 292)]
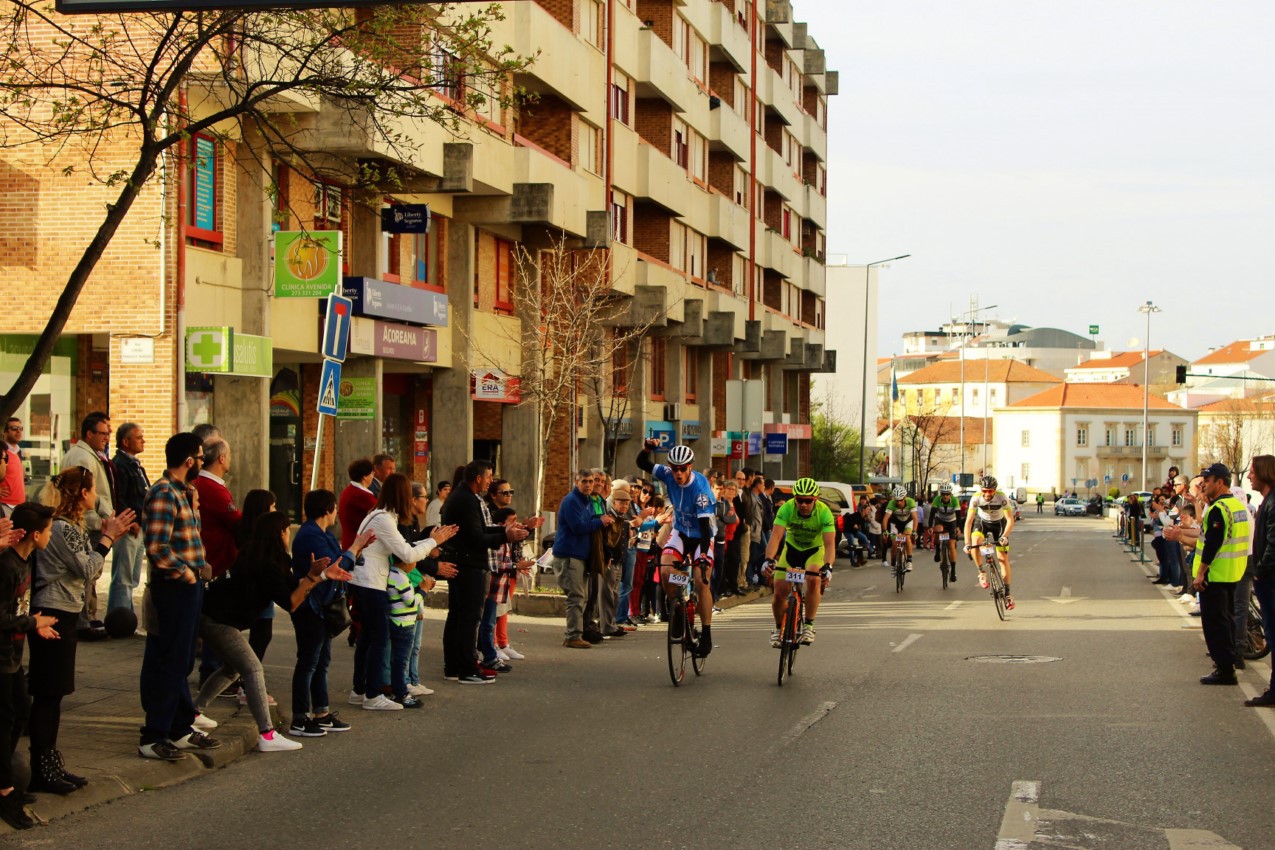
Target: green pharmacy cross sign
[(221, 351)]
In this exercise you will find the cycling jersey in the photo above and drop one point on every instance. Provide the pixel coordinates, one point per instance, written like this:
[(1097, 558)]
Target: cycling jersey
[(690, 502), (944, 511), (901, 510), (993, 509), (805, 532)]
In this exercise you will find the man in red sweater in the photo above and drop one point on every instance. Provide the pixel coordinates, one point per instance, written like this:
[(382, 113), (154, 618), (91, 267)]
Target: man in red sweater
[(356, 500), (217, 512)]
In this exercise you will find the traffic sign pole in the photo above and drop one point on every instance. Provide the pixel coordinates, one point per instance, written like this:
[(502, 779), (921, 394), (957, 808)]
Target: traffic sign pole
[(335, 345)]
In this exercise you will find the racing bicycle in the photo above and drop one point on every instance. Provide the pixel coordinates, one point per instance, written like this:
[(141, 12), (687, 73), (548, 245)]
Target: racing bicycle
[(991, 567), (945, 556), (683, 634), (899, 559), (1255, 645), (794, 617)]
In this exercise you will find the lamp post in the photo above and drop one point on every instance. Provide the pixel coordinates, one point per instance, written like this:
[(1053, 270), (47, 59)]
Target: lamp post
[(970, 318), (863, 413), (1148, 309)]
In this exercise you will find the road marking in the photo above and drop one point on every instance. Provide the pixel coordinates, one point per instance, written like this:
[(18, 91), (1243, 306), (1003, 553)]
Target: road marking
[(1197, 839), (908, 641), (1064, 597), (1018, 826), (957, 604), (810, 720)]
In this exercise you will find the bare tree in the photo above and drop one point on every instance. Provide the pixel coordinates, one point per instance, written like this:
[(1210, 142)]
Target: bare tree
[(924, 435), (1239, 429), (609, 390), (73, 87)]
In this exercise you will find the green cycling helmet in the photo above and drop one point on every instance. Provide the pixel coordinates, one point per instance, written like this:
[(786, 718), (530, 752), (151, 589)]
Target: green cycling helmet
[(805, 487)]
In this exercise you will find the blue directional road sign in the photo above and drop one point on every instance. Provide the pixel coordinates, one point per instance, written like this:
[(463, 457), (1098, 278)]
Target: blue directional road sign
[(336, 328), (329, 386)]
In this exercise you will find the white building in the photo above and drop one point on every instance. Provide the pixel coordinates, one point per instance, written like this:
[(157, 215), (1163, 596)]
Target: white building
[(1126, 367), (1056, 440), (851, 319)]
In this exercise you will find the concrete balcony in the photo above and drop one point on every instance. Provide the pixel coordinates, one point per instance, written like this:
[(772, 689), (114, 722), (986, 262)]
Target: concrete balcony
[(654, 275), (654, 67), (777, 253), (572, 190), (777, 95), (775, 173), (728, 131), (728, 221), (565, 65), (645, 172), (814, 277), (623, 268), (816, 208), (728, 38), (813, 137)]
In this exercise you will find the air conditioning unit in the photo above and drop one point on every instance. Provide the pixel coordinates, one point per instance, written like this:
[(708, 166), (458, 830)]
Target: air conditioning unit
[(673, 411)]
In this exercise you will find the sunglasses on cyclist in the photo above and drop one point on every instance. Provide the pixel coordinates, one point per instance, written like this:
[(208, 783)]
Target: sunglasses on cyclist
[(804, 500), (680, 467)]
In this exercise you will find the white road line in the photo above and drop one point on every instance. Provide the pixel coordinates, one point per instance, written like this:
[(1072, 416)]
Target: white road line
[(1197, 839), (908, 641), (1066, 592), (1018, 826), (957, 604), (810, 720)]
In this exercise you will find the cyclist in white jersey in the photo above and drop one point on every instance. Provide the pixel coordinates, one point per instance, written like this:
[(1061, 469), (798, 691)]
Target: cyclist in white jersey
[(991, 514)]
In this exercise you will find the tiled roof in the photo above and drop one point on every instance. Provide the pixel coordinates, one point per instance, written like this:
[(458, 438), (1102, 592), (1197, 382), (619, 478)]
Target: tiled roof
[(1237, 352), (1251, 406), (1116, 396), (996, 371), (946, 430), (1123, 360)]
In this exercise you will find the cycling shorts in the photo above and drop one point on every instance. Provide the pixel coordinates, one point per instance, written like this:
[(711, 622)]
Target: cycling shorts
[(950, 527), (992, 530), (683, 546), (796, 559), (893, 523)]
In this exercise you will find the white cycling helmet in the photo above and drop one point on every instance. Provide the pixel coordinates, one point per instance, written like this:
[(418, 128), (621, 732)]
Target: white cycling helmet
[(946, 488), (899, 492), (680, 455)]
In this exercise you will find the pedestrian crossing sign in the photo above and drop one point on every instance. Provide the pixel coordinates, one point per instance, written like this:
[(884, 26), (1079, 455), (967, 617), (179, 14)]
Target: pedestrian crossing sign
[(329, 380)]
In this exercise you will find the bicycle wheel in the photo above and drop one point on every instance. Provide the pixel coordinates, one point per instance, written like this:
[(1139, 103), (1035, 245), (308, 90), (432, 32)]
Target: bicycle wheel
[(899, 570), (997, 583), (677, 645), (1255, 646), (787, 640), (697, 662), (797, 621), (945, 562)]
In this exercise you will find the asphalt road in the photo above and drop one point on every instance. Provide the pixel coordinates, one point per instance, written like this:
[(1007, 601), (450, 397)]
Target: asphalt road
[(891, 734)]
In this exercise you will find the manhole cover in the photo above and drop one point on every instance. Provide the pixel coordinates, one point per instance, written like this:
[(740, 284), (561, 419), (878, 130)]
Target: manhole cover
[(1013, 659)]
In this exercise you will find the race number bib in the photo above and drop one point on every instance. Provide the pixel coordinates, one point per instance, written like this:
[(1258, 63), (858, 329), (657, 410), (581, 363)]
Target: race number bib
[(796, 576), (679, 579), (988, 550), (943, 538)]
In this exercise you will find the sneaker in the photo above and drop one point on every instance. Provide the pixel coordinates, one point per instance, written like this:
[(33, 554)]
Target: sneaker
[(982, 579), (593, 637), (1219, 677), (162, 750), (774, 639), (908, 569), (203, 722), (306, 727), (381, 702), (501, 655), (331, 723), (243, 699), (577, 643), (497, 667), (511, 654), (477, 679), (808, 635), (273, 742), (1186, 598), (231, 691), (628, 626), (419, 690), (356, 699), (196, 741), (1009, 602), (408, 701)]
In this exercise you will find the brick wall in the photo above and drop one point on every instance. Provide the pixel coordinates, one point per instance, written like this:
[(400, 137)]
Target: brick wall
[(653, 121), (550, 123), (803, 415), (652, 230), (721, 173), (559, 477), (775, 54), (773, 211), (488, 420), (721, 257), (564, 11), (660, 14), (721, 79), (774, 136), (772, 290)]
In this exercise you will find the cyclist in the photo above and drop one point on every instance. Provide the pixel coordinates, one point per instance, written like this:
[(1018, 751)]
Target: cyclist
[(808, 530), (900, 516), (943, 513), (691, 497), (992, 515)]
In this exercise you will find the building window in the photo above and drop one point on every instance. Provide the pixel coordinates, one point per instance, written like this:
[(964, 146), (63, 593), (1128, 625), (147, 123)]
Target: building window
[(504, 277), (619, 217), (1027, 439), (620, 99), (691, 379), (1130, 436), (449, 74), (1026, 471), (591, 22), (1176, 436), (203, 210), (681, 145), (1082, 435), (659, 365), (1109, 436), (1151, 435), (590, 141)]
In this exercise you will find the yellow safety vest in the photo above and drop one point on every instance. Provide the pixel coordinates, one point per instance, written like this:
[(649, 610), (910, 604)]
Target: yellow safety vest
[(1232, 559)]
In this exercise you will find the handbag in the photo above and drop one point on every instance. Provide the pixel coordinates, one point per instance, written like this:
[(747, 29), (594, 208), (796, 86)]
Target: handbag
[(336, 615)]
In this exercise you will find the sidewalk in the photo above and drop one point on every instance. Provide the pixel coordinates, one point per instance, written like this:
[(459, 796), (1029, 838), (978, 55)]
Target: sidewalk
[(101, 720)]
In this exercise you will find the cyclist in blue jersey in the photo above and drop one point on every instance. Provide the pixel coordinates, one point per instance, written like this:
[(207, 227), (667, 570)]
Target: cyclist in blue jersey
[(691, 497)]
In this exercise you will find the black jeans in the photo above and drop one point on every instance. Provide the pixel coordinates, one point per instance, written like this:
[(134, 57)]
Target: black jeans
[(168, 660), (466, 594), (314, 654), (13, 713), (1217, 612), (373, 646)]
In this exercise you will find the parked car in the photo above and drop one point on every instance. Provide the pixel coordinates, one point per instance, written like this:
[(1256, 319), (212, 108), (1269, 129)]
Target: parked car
[(1069, 507)]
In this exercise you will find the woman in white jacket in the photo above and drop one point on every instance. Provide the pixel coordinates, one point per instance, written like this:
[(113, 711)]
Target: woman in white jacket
[(371, 577)]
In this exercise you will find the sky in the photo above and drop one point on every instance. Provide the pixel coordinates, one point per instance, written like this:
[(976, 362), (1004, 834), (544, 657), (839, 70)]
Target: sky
[(1066, 160)]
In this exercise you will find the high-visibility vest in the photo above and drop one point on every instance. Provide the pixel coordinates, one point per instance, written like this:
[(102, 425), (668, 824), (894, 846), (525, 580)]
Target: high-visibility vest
[(1232, 559)]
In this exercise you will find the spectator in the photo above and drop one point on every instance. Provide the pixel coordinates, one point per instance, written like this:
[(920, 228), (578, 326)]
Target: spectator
[(356, 501), (405, 607), (500, 496), (1220, 565), (854, 528), (90, 453), (173, 600), (13, 483), (577, 523), (764, 510), (434, 513), (726, 554), (219, 517), (131, 485), (633, 517), (256, 504), (428, 566), (596, 627), (31, 531), (261, 574), (739, 541), (1261, 476), (383, 466), (511, 564), (475, 537), (371, 582), (644, 570), (615, 548), (312, 716), (72, 561)]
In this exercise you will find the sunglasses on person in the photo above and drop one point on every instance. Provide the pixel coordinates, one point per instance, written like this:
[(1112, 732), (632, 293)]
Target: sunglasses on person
[(804, 500), (504, 492), (680, 467)]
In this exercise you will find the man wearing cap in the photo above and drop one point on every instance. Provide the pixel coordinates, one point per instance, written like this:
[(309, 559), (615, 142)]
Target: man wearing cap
[(1220, 566)]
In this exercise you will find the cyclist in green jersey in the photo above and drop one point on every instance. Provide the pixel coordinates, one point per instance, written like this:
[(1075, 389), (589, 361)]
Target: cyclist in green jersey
[(806, 528), (943, 516)]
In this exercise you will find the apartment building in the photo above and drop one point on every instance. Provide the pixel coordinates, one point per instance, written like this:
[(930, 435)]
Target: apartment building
[(1127, 367), (684, 143)]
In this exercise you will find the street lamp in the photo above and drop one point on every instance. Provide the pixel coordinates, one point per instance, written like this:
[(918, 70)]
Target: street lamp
[(863, 403), (1147, 308), (972, 314)]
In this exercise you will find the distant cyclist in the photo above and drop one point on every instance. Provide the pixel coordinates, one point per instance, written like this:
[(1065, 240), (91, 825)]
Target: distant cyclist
[(900, 517), (691, 497), (943, 519), (992, 515), (808, 531)]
